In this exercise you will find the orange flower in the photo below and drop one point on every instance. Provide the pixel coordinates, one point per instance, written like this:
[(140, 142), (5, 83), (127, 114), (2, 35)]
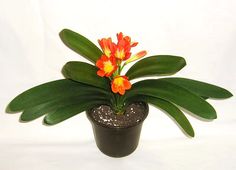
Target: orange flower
[(125, 40), (107, 66), (119, 84), (107, 46), (123, 47), (136, 56)]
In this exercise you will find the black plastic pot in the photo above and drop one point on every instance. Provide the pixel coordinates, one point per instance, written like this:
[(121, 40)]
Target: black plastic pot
[(117, 141)]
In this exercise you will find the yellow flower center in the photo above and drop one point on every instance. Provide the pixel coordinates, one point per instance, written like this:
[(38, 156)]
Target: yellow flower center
[(118, 81), (120, 54), (108, 67), (107, 52)]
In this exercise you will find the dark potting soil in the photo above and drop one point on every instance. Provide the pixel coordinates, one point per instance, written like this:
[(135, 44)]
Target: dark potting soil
[(133, 114)]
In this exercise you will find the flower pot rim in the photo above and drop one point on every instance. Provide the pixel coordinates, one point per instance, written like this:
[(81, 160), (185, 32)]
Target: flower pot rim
[(120, 127)]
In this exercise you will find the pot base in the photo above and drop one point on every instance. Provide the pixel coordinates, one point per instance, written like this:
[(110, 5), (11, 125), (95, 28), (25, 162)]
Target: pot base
[(117, 141)]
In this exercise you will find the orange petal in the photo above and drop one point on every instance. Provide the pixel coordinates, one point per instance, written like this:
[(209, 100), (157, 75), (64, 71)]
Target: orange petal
[(122, 91), (119, 36), (99, 63), (113, 88), (107, 46), (104, 58), (133, 44), (101, 73), (127, 84), (120, 84), (109, 74), (127, 38)]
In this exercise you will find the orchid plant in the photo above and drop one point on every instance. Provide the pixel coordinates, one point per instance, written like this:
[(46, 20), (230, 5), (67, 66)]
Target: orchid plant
[(90, 85)]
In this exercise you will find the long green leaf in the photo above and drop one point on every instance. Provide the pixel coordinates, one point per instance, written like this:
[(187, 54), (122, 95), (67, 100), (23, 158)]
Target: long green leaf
[(84, 73), (156, 65), (35, 112), (50, 91), (174, 112), (170, 109), (175, 94), (39, 110), (66, 112), (201, 88), (80, 44)]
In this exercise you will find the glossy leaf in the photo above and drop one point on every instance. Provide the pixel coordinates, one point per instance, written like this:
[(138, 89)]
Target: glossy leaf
[(36, 112), (85, 73), (81, 45), (51, 91), (201, 88), (42, 109), (174, 94), (156, 66), (66, 112), (174, 112)]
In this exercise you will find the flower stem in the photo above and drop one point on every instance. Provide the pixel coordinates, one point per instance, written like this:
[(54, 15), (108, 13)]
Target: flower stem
[(118, 108), (121, 67)]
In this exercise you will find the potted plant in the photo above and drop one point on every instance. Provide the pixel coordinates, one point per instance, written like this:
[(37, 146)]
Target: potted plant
[(115, 106)]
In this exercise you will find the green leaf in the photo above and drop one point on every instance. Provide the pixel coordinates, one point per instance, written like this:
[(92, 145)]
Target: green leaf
[(204, 97), (51, 91), (174, 112), (42, 109), (175, 94), (201, 88), (66, 112), (85, 73), (36, 112), (81, 45), (156, 66)]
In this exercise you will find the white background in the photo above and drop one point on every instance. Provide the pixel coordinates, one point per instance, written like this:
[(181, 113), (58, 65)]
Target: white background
[(31, 53)]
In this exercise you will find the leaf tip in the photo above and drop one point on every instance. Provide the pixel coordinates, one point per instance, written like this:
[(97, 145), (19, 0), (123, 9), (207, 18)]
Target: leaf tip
[(229, 94), (63, 35), (213, 116), (64, 71), (10, 109), (192, 133), (22, 119), (47, 122), (63, 31), (183, 62)]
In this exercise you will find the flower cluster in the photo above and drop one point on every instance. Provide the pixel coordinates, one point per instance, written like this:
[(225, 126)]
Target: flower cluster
[(114, 58)]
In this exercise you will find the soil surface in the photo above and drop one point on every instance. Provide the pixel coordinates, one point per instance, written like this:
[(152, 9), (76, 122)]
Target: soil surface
[(134, 113)]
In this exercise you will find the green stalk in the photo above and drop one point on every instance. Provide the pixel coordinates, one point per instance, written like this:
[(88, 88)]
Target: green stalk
[(117, 103), (119, 108), (121, 68)]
